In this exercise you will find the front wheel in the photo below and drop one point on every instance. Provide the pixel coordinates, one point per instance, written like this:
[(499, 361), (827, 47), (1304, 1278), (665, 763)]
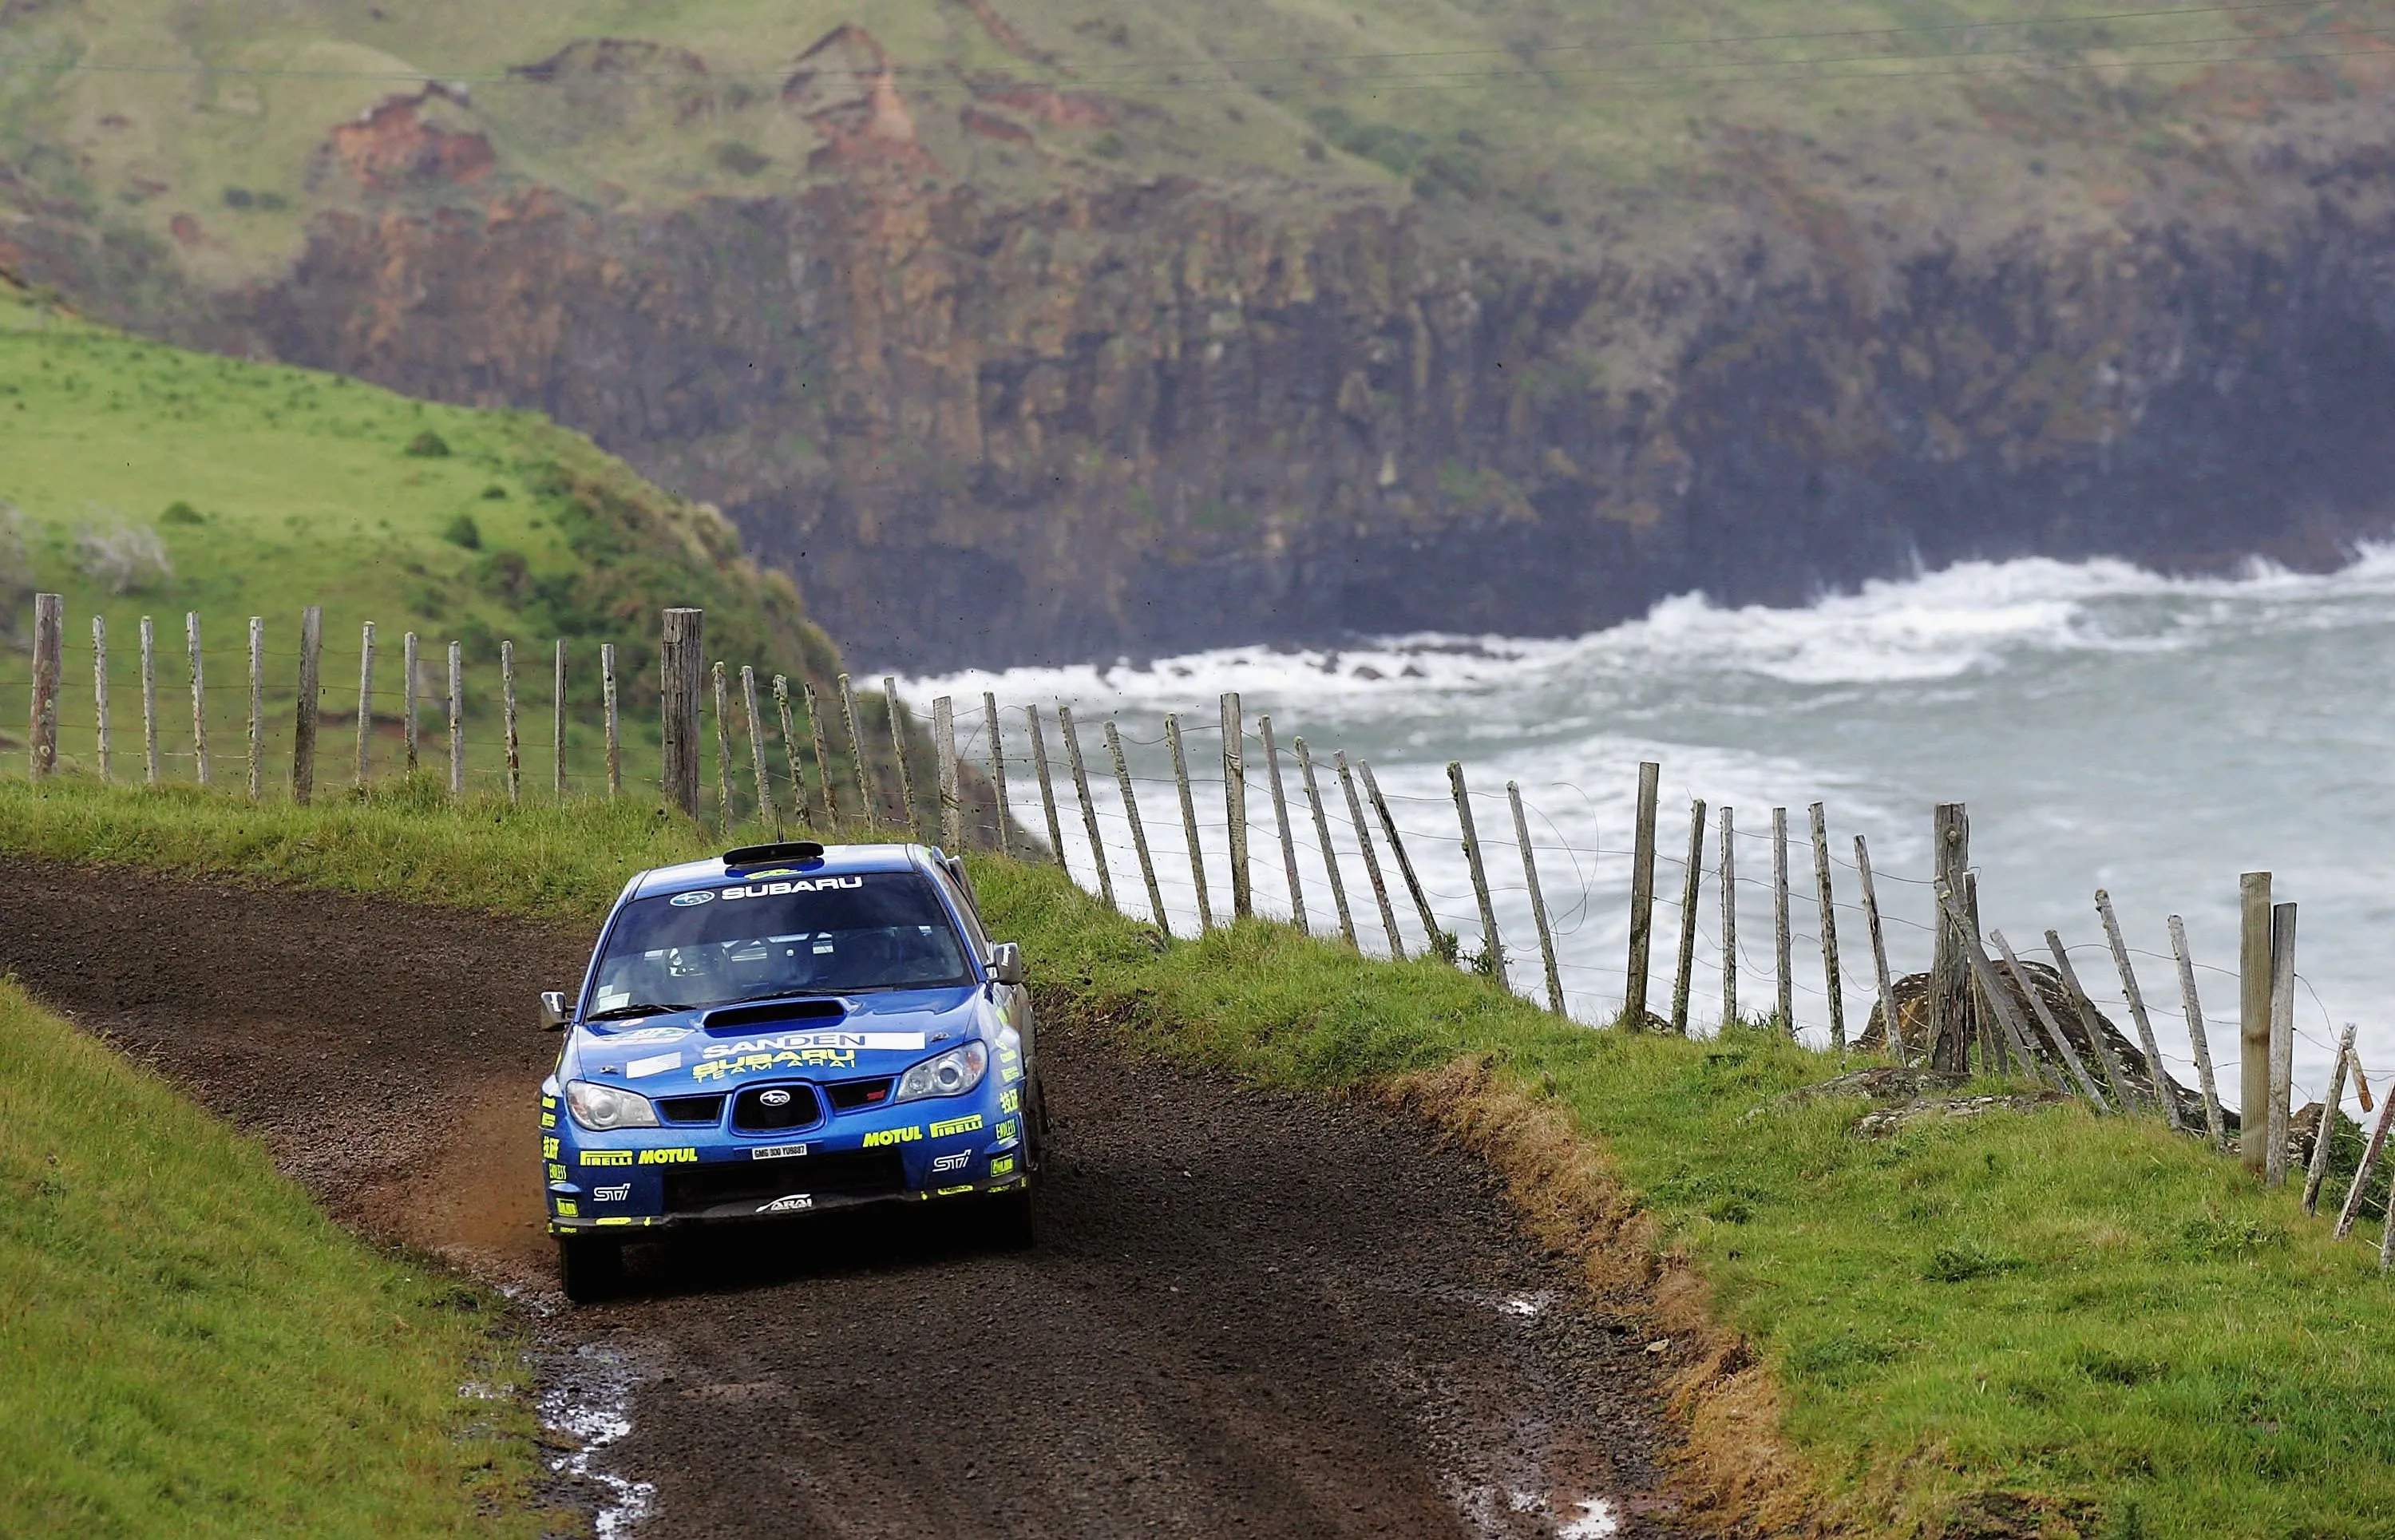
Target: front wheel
[(590, 1268)]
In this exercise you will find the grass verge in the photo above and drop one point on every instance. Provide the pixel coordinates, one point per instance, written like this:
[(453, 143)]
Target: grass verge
[(193, 1349), (2020, 1323)]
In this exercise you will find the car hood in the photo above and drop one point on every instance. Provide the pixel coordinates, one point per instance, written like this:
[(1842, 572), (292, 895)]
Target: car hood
[(875, 1034)]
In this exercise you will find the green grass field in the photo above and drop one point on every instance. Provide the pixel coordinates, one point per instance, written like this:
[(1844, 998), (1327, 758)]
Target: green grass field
[(193, 1349), (2088, 1322)]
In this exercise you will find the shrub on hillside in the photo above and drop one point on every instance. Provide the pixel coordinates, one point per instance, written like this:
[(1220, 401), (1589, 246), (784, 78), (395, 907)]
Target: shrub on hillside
[(181, 512), (428, 445), (126, 558), (463, 531)]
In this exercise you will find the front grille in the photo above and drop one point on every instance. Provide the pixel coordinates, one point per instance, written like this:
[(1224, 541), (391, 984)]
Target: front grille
[(753, 1110), (850, 1173), (848, 1095), (691, 1110)]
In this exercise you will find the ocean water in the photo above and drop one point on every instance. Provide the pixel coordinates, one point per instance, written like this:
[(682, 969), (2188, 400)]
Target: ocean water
[(2106, 727)]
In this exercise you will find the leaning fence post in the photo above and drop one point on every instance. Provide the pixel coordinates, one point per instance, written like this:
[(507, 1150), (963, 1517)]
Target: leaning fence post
[(199, 698), (823, 756), (149, 703), (1828, 901), (943, 749), (1729, 915), (303, 742), (1493, 948), (257, 707), (1976, 959), (682, 670), (868, 804), (1879, 951), (1280, 821), (2136, 998), (998, 775), (2352, 1208), (2055, 1036), (407, 664), (1431, 933), (100, 690), (457, 718), (2114, 1076), (1189, 822), (1322, 833), (1642, 899), (799, 808), (366, 698), (2253, 1022), (557, 724), (723, 808), (1138, 830), (1538, 900), (906, 819), (2325, 1134), (1692, 881), (508, 721), (1371, 860), (49, 661), (612, 725), (1041, 769), (769, 809), (2214, 1124), (1235, 802), (1088, 808), (1782, 959), (2283, 1037)]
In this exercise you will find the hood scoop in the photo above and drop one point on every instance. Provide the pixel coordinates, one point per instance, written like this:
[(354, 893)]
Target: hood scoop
[(739, 1018)]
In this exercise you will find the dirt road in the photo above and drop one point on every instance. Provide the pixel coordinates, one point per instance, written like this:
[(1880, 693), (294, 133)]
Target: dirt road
[(1249, 1314)]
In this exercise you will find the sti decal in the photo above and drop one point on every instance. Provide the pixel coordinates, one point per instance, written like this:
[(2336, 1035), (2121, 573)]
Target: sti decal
[(613, 1194), (956, 1161)]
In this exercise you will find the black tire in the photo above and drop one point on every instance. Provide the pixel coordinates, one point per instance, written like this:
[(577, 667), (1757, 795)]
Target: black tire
[(590, 1268)]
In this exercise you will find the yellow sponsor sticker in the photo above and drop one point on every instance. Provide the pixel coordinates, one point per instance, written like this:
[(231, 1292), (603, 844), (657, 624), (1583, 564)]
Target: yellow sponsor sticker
[(1002, 1166), (606, 1157), (883, 1138), (549, 1120), (950, 1193), (684, 1156), (617, 1220), (549, 1149), (566, 1209), (1006, 1130), (957, 1125), (556, 1171), (1010, 1101)]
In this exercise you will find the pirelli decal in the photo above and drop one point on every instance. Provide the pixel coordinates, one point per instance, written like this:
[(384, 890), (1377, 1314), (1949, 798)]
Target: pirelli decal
[(957, 1125), (606, 1157)]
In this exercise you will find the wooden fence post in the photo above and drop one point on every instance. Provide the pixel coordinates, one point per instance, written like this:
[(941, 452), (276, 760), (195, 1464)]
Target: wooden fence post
[(457, 718), (557, 724), (682, 670), (1642, 899), (1879, 951), (907, 817), (1088, 808), (50, 662), (303, 741), (149, 702), (366, 699), (799, 806), (1322, 835), (1951, 1020), (1493, 947), (2253, 1022), (2216, 1126), (2060, 1041), (2136, 1000), (868, 804), (1371, 860), (199, 698), (767, 807), (100, 691), (1047, 786), (1729, 914), (408, 664), (1189, 822), (1432, 935), (2282, 1038), (1691, 885), (1782, 959), (2351, 1209), (943, 749), (997, 774), (257, 707), (725, 811), (1984, 973), (1827, 898), (823, 756), (2325, 1134), (2114, 1076), (1235, 802), (1138, 830), (1280, 821), (1538, 900), (512, 744), (612, 724)]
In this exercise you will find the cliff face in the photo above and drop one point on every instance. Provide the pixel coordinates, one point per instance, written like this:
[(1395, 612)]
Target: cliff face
[(1143, 414)]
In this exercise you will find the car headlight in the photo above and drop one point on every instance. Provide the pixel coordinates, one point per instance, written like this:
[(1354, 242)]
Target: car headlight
[(603, 1107), (952, 1074)]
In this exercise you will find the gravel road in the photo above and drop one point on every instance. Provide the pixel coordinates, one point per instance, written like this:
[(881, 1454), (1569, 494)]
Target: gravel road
[(1248, 1314)]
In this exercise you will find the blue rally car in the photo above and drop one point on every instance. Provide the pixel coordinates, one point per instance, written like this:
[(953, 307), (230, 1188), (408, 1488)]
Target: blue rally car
[(789, 1029)]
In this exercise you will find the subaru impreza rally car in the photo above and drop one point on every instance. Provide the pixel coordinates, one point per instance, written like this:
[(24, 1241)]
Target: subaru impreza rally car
[(789, 1029)]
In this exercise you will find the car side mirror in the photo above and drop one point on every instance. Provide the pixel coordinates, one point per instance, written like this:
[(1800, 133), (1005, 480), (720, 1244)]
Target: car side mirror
[(552, 1010), (1006, 962)]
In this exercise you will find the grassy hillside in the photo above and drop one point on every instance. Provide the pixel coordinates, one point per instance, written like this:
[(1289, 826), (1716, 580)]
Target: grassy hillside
[(193, 1349), (2059, 1323), (255, 490)]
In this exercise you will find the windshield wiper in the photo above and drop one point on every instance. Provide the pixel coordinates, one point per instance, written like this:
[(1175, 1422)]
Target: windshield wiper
[(644, 1008)]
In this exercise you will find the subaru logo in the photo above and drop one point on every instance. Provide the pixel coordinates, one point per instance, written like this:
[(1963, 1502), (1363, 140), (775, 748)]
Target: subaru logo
[(775, 1098)]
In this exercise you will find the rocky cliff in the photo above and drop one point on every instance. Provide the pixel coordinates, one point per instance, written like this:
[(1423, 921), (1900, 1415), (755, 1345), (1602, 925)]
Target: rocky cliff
[(1143, 410)]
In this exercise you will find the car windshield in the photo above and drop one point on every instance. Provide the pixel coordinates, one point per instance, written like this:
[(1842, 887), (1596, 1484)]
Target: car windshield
[(762, 937)]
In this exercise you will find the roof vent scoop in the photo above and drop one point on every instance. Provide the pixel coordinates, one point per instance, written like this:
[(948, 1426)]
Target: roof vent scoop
[(767, 855)]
